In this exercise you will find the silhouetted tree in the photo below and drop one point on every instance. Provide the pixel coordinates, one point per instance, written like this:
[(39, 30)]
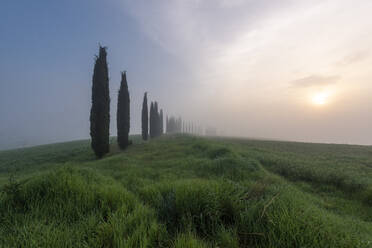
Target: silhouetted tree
[(100, 111), (161, 122), (145, 118), (123, 117), (167, 125), (156, 120), (152, 121)]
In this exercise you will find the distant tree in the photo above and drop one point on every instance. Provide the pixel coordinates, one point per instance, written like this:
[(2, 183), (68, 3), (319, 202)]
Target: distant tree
[(170, 125), (152, 127), (167, 125), (156, 120), (175, 125), (123, 115), (100, 110), (145, 118), (161, 122), (179, 125)]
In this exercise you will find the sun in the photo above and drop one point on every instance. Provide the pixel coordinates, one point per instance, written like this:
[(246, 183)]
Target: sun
[(320, 98)]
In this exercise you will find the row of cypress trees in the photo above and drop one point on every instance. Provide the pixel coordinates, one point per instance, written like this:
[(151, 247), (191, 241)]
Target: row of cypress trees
[(191, 128), (156, 120), (173, 125), (177, 125), (152, 124), (100, 110)]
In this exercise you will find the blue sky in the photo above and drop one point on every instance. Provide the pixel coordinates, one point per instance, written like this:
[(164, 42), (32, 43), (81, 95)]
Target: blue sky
[(292, 70), (48, 50)]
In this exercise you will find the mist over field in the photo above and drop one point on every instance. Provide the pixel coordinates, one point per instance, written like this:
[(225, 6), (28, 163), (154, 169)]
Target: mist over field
[(288, 70), (186, 123)]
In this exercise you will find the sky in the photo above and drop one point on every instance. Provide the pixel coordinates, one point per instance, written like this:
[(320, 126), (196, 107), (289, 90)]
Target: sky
[(275, 69)]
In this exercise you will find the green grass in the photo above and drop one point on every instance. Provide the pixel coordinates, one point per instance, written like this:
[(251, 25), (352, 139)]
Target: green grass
[(183, 191)]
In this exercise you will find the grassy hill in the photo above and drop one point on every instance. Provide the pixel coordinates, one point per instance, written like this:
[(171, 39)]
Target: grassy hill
[(181, 191)]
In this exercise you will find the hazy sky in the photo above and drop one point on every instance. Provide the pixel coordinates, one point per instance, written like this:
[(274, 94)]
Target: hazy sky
[(282, 69)]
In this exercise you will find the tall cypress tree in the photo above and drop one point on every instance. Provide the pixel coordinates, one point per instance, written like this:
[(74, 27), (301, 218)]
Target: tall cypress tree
[(161, 122), (156, 120), (145, 118), (152, 130), (100, 111), (166, 125), (123, 115)]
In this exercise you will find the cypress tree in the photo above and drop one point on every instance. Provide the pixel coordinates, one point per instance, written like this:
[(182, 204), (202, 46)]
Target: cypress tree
[(145, 118), (100, 110), (152, 133), (123, 116), (156, 120), (179, 125), (161, 122), (166, 124), (170, 125)]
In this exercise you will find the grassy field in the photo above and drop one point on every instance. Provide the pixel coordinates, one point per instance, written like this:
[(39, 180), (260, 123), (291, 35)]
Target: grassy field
[(183, 191)]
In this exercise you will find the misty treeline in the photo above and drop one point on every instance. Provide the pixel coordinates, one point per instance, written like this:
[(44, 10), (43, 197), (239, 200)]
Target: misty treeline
[(173, 125), (177, 125), (152, 121), (156, 120)]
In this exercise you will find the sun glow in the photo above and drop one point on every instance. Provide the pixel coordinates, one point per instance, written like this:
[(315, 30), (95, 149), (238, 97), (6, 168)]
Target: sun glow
[(320, 98)]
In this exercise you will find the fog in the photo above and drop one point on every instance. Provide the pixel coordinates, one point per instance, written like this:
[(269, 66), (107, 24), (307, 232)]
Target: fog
[(288, 70)]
